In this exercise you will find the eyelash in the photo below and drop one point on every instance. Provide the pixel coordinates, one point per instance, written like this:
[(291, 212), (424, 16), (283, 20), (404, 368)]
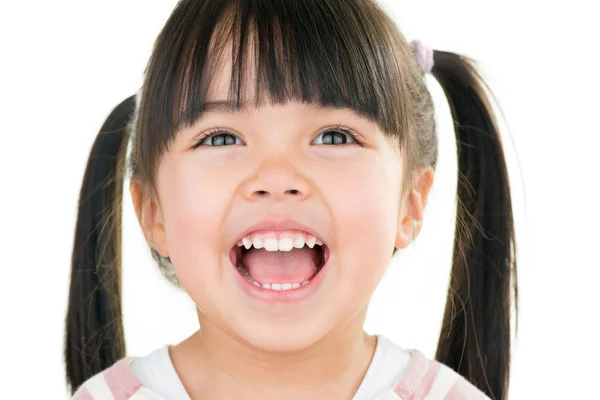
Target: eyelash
[(337, 129)]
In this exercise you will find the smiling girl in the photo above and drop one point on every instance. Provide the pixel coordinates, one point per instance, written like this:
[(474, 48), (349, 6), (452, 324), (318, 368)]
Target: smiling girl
[(282, 152)]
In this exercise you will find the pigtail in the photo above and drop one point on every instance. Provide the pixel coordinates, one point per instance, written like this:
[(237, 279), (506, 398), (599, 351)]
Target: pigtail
[(475, 337), (94, 337)]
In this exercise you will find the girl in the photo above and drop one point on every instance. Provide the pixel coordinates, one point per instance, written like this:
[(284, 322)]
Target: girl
[(282, 152)]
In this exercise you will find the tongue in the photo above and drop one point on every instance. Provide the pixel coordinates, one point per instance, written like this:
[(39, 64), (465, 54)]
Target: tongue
[(297, 265)]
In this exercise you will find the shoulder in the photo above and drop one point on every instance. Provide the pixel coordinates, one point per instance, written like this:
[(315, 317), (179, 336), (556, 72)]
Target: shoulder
[(117, 382), (427, 379)]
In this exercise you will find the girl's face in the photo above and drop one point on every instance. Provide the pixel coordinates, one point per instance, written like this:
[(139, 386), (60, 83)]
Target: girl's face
[(276, 164)]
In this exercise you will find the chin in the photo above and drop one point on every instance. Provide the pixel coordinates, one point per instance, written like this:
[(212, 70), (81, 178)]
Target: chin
[(287, 338)]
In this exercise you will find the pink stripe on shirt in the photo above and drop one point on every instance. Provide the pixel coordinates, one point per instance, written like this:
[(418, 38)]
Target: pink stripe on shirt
[(464, 390), (121, 380), (422, 375), (422, 389), (412, 377), (83, 394)]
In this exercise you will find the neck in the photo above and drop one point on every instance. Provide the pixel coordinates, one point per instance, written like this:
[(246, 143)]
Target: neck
[(212, 364)]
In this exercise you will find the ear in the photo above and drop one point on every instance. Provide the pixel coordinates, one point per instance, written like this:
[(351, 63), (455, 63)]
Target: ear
[(150, 218), (411, 219)]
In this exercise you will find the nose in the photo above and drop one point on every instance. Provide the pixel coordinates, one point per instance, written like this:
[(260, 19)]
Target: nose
[(277, 180)]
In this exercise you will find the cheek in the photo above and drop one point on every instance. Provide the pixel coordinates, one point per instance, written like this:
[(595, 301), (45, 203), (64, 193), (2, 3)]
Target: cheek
[(364, 203), (193, 207)]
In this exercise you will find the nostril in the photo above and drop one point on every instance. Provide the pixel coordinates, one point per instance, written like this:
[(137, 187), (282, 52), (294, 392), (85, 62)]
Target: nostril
[(265, 193)]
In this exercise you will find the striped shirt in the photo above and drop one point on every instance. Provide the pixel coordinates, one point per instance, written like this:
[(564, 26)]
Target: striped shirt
[(423, 379)]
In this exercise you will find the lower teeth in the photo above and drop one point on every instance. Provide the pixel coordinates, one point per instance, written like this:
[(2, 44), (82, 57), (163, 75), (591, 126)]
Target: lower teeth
[(271, 286)]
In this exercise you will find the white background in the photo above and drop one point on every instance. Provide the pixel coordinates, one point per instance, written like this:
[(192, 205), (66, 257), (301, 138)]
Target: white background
[(66, 64)]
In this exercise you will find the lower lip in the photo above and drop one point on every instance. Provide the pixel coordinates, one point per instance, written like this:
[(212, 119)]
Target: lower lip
[(282, 296)]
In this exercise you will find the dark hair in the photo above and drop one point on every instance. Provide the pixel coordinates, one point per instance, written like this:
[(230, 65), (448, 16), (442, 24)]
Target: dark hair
[(336, 53), (94, 327)]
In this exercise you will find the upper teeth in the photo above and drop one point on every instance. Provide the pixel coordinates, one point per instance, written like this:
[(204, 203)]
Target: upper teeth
[(271, 242)]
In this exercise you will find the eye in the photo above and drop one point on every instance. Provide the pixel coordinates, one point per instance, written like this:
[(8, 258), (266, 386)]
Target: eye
[(336, 136), (218, 137)]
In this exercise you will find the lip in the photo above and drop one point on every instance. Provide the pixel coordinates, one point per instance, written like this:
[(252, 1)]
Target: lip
[(281, 225), (287, 296)]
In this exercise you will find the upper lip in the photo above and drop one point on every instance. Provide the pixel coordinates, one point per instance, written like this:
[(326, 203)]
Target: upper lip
[(279, 225)]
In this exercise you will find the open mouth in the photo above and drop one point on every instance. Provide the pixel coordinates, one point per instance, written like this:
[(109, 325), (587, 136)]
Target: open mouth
[(279, 266)]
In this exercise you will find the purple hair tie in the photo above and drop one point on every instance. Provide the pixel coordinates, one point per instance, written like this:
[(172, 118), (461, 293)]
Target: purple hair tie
[(424, 55)]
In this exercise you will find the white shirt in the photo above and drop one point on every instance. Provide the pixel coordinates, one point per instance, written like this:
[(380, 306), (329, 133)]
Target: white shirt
[(156, 371)]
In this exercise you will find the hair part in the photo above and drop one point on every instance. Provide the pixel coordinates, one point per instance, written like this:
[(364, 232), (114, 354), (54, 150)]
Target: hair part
[(326, 53)]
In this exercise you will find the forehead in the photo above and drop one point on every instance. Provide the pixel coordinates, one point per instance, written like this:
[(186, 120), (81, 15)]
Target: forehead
[(230, 82), (220, 84), (222, 98), (269, 64)]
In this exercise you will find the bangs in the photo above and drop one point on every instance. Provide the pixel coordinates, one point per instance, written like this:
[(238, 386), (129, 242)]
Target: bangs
[(330, 53)]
